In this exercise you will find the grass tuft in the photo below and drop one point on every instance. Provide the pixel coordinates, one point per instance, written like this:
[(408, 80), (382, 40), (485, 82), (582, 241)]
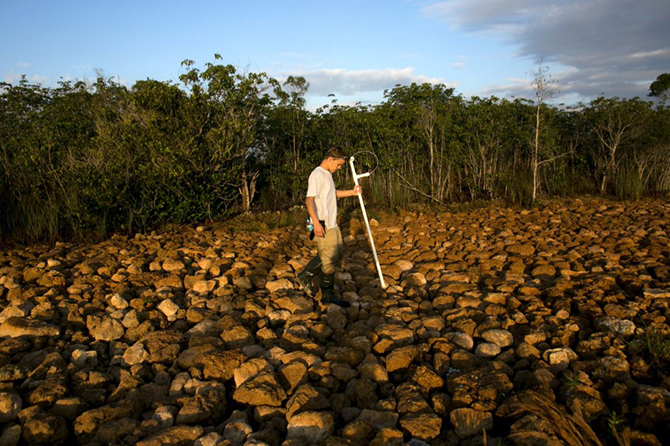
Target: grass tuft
[(570, 428), (628, 185), (657, 349)]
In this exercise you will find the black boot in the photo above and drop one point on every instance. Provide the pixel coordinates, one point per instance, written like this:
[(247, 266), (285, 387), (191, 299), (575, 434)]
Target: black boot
[(306, 276), (328, 291)]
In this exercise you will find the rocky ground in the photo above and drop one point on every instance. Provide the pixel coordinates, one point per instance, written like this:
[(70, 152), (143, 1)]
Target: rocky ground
[(203, 336)]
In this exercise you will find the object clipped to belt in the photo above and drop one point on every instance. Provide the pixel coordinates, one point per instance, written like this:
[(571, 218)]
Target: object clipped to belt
[(310, 227)]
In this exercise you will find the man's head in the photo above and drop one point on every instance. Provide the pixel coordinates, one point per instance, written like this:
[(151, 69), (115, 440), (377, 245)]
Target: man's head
[(334, 159)]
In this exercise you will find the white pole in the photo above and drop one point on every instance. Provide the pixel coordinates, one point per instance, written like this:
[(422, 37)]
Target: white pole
[(367, 223)]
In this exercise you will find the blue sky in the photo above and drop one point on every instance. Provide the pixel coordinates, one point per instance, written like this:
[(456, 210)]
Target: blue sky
[(352, 49)]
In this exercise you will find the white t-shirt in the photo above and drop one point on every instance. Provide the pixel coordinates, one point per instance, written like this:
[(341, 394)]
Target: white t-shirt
[(322, 187)]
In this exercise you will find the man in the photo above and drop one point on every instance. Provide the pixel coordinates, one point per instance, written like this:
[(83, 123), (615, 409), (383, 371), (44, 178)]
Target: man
[(321, 204)]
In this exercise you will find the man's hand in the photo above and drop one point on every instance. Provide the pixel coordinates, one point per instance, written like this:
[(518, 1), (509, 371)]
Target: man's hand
[(318, 229), (349, 192)]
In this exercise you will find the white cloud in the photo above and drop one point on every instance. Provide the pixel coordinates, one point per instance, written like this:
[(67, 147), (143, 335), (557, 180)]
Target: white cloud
[(24, 65), (38, 79), (459, 64), (470, 14), (651, 54), (615, 47), (511, 87), (11, 77), (122, 81), (352, 82)]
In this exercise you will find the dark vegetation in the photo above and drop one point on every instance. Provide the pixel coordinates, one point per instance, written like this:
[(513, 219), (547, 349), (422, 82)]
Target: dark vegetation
[(88, 159)]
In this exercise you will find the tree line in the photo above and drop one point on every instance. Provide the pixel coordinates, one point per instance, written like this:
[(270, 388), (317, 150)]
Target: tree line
[(97, 157)]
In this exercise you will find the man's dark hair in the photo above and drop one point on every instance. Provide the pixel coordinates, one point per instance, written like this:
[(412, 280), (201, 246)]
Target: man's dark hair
[(336, 152)]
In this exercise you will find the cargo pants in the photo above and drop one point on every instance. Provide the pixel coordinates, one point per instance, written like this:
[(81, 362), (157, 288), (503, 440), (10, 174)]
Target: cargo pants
[(330, 249)]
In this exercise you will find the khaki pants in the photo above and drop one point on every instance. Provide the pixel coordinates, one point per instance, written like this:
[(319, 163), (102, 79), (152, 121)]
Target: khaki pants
[(330, 249)]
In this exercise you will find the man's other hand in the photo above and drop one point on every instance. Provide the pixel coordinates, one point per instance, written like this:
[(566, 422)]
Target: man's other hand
[(318, 230)]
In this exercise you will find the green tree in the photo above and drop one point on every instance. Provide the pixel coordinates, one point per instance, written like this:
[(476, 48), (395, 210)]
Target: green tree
[(22, 199), (615, 124), (283, 135), (482, 149), (426, 116), (660, 88), (545, 88), (235, 104)]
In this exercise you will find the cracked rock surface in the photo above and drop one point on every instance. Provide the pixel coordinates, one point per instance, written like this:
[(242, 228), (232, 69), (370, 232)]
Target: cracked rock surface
[(203, 335)]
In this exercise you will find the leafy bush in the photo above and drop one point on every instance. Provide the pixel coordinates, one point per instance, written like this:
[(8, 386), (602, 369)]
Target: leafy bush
[(86, 159)]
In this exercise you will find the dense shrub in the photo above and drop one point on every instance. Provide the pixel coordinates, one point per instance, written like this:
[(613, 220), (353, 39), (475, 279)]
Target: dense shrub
[(89, 158)]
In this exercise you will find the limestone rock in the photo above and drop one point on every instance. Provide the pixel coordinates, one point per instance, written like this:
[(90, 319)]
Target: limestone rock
[(499, 337), (47, 393), (250, 369), (306, 398), (388, 437), (619, 327), (379, 419), (312, 427), (42, 428), (560, 358), (480, 389), (295, 304), (19, 326), (462, 340), (347, 355), (104, 328), (69, 407), (373, 371), (427, 378), (211, 439), (410, 399), (87, 424), (424, 426), (18, 309), (10, 405), (655, 293), (206, 405), (11, 434), (358, 432), (279, 285), (262, 390), (113, 432), (135, 355), (84, 358), (237, 336), (168, 308), (487, 350), (221, 365), (11, 346), (176, 435), (292, 375), (611, 368), (193, 356), (172, 265), (525, 249), (401, 358)]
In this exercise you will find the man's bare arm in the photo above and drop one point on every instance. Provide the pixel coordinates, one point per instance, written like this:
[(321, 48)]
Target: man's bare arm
[(349, 193)]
